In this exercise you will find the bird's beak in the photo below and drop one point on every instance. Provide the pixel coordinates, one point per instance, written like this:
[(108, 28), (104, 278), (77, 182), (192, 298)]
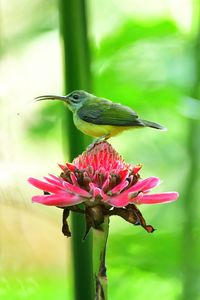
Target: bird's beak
[(52, 97)]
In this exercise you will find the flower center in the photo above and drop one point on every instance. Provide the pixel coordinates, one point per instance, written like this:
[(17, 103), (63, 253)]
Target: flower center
[(110, 183)]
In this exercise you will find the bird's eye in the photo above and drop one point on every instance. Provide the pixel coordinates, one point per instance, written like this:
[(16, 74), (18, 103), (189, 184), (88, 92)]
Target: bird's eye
[(76, 97)]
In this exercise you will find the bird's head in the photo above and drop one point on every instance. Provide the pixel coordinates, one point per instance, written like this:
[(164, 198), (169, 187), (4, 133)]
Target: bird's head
[(74, 100)]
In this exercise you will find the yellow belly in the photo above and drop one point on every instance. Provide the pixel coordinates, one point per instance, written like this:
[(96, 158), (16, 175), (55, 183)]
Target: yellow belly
[(98, 130)]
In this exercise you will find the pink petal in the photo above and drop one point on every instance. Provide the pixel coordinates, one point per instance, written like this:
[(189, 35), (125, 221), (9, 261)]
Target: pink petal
[(145, 184), (73, 179), (97, 191), (137, 168), (58, 199), (44, 185), (63, 167), (56, 182), (157, 198), (123, 174), (136, 198), (75, 189), (119, 187), (70, 167), (106, 182), (55, 177), (119, 201)]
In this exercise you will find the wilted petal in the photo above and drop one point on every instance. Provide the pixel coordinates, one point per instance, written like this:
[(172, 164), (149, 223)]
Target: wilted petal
[(157, 198)]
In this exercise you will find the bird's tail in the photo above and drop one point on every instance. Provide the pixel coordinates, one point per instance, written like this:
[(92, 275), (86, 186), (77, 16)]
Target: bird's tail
[(153, 125)]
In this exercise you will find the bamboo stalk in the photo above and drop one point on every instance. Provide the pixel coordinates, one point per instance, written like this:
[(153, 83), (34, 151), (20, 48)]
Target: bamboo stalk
[(76, 68)]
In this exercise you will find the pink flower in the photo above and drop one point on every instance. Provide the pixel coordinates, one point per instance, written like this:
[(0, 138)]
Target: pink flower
[(99, 176)]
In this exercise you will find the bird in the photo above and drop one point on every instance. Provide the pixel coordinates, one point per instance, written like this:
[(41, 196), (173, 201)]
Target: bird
[(99, 117)]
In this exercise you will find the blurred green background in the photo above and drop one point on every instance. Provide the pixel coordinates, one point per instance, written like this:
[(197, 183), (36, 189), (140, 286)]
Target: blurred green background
[(144, 54)]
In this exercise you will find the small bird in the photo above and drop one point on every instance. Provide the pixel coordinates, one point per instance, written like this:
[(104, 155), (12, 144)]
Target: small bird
[(99, 117)]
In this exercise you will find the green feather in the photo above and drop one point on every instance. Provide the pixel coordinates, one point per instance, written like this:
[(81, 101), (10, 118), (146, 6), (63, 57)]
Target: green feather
[(104, 112)]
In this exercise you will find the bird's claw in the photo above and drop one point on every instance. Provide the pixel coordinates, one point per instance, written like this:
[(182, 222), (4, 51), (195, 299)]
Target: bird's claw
[(98, 141)]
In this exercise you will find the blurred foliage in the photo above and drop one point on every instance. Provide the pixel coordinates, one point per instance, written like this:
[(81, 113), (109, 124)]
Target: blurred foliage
[(149, 64), (22, 23), (47, 118), (137, 58)]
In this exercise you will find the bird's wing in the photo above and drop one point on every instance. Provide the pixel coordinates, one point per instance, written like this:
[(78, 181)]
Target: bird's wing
[(105, 112)]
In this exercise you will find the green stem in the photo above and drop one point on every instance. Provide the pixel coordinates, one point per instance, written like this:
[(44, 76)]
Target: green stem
[(76, 68), (100, 237)]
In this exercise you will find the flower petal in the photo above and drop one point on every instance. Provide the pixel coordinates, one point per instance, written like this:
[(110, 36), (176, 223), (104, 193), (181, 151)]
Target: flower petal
[(137, 168), (62, 167), (106, 182), (56, 181), (97, 191), (56, 177), (124, 174), (73, 179), (71, 167), (145, 184), (58, 199), (157, 198), (44, 185), (118, 188), (119, 201), (75, 189)]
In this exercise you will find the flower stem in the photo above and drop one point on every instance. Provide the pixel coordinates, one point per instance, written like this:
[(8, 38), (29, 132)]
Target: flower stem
[(100, 237)]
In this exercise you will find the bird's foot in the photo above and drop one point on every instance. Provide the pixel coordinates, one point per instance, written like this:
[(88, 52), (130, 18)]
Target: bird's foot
[(97, 141)]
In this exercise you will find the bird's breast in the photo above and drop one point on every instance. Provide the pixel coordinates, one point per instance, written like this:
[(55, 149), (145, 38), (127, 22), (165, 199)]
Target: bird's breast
[(96, 130)]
